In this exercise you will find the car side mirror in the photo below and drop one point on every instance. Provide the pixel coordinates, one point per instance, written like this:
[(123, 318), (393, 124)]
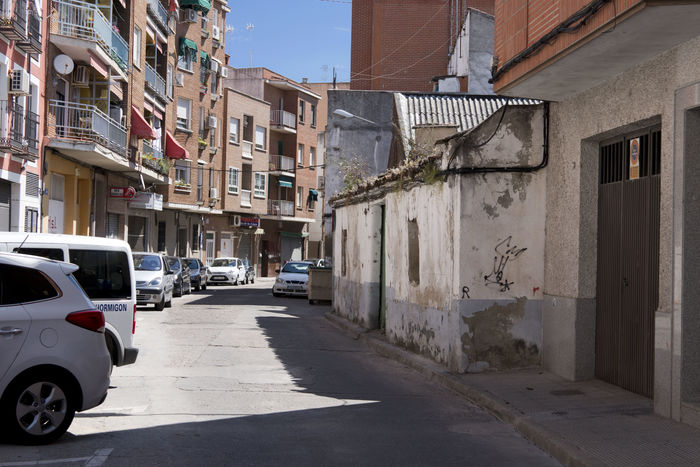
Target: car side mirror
[(277, 271), (169, 273)]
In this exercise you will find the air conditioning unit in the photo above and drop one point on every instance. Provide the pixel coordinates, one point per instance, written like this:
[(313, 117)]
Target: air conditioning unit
[(235, 220), (211, 122), (190, 15), (180, 79), (19, 82), (224, 72), (213, 193), (215, 33), (214, 66), (81, 76)]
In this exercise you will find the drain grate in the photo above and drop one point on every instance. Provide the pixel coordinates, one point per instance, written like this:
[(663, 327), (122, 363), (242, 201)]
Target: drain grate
[(566, 392)]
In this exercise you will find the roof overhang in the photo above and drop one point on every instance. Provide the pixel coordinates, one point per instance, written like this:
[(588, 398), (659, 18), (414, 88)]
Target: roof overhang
[(630, 40), (288, 86)]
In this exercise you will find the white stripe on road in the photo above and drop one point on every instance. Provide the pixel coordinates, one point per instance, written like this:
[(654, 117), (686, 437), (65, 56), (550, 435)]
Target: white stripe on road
[(99, 458)]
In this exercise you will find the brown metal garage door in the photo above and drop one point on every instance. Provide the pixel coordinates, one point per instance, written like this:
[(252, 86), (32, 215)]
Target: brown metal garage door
[(628, 260)]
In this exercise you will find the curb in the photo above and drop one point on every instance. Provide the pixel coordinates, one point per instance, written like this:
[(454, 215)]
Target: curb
[(547, 440)]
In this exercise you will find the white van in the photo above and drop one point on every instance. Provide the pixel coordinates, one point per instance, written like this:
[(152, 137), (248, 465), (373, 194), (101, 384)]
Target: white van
[(106, 274)]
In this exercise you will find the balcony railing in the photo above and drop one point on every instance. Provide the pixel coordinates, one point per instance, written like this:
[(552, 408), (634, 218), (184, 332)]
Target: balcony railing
[(277, 207), (31, 132), (32, 44), (13, 19), (245, 198), (155, 153), (155, 82), (247, 148), (18, 135), (85, 122), (85, 21), (281, 163), (283, 118), (159, 13)]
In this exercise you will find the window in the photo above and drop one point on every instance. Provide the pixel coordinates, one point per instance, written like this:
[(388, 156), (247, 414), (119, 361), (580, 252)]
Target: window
[(312, 158), (170, 80), (23, 285), (137, 47), (161, 236), (212, 135), (233, 126), (201, 122), (182, 172), (260, 138), (343, 250), (313, 115), (259, 185), (48, 253), (31, 220), (248, 128), (200, 182), (195, 237), (300, 195), (301, 111), (102, 274), (184, 114), (300, 155), (233, 180), (187, 55), (215, 83), (413, 252)]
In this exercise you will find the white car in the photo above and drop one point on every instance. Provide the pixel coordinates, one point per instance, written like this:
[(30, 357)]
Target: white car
[(293, 279), (226, 270), (53, 356)]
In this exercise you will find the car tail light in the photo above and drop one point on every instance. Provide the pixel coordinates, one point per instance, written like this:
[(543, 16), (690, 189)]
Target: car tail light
[(133, 326), (92, 320)]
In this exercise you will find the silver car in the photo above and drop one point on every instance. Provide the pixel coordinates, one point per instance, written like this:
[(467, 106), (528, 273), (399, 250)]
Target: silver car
[(154, 280), (53, 356)]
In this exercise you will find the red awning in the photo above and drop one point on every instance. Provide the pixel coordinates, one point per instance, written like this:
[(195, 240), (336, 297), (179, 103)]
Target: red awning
[(173, 149), (140, 127)]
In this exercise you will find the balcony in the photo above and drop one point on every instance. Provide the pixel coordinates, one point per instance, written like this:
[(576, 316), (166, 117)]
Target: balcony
[(283, 121), (86, 123), (32, 44), (74, 22), (18, 136), (247, 150), (13, 19), (280, 208), (159, 14), (245, 198), (155, 82), (282, 164)]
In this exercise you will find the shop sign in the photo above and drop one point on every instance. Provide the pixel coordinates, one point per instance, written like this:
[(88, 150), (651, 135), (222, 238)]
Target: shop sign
[(125, 192), (146, 200), (634, 158), (250, 222)]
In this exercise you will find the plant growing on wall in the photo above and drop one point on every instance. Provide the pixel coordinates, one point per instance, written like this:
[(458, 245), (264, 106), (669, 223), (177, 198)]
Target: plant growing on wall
[(354, 171)]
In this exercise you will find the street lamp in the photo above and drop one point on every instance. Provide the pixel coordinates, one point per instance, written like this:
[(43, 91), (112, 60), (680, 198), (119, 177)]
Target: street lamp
[(345, 114)]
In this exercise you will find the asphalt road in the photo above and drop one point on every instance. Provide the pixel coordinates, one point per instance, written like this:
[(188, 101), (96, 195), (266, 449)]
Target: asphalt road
[(235, 376)]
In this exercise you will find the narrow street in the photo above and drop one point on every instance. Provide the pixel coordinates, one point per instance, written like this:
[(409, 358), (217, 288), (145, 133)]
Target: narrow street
[(234, 376)]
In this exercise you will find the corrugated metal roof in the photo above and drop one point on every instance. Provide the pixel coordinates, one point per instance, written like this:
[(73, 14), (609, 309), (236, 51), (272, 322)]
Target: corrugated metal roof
[(464, 111)]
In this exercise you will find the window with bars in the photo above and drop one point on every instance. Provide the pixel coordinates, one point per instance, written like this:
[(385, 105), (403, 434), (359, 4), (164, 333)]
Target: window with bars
[(615, 161), (31, 220)]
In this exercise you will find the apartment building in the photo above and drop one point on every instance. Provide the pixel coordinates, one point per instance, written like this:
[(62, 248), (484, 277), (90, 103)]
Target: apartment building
[(22, 74), (198, 108), (620, 301), (291, 182)]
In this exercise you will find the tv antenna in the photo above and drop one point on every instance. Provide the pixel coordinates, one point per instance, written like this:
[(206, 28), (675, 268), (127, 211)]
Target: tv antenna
[(249, 27)]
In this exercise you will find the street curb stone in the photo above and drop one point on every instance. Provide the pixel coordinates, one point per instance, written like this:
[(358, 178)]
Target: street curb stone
[(547, 440)]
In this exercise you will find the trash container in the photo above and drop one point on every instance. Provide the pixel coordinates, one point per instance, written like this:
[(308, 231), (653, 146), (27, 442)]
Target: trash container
[(319, 284)]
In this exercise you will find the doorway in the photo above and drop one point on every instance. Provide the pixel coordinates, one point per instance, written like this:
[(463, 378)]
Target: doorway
[(628, 260)]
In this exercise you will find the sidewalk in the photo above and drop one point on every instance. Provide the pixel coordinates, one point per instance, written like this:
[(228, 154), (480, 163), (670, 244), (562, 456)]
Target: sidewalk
[(582, 423)]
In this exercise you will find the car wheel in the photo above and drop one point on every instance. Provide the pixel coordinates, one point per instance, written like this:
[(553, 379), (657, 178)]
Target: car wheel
[(38, 408), (252, 280), (112, 349), (204, 286), (178, 292), (276, 294), (246, 280), (198, 286), (160, 305)]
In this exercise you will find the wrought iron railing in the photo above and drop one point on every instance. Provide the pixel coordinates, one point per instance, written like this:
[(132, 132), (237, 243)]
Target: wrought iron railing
[(155, 81), (159, 13), (281, 163), (283, 118), (31, 132), (72, 120), (279, 207)]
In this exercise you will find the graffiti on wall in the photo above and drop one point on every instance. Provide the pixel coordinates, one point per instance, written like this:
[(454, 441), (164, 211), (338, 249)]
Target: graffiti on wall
[(505, 253)]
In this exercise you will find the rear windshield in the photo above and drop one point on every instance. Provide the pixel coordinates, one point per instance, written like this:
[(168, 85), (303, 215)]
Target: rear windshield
[(103, 274), (147, 263)]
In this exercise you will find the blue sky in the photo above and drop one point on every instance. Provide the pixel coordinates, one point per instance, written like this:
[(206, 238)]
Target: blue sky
[(297, 38)]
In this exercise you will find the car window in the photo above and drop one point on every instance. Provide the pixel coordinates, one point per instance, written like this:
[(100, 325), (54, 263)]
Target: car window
[(147, 263), (49, 253), (194, 264), (24, 285), (299, 268), (102, 274)]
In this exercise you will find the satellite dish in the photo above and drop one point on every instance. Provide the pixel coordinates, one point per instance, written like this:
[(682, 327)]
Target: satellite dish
[(63, 64)]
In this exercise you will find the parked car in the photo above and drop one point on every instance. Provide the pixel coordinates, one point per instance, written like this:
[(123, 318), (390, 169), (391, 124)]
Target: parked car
[(199, 273), (319, 262), (53, 357), (154, 280), (226, 270), (106, 275), (249, 272), (292, 279), (181, 276)]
